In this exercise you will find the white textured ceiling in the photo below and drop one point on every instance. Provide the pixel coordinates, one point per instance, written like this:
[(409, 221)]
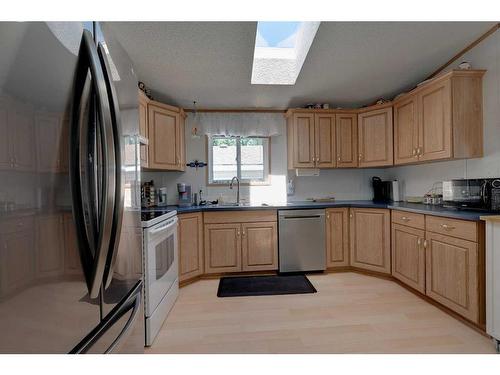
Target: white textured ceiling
[(349, 63)]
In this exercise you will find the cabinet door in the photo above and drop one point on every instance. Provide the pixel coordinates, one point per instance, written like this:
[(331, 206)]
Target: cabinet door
[(48, 137), (164, 138), (408, 256), (434, 108), (451, 272), (143, 128), (72, 264), (324, 128), (346, 126), (21, 132), (16, 260), (190, 245), (5, 154), (182, 142), (303, 140), (375, 138), (371, 239), (405, 131), (337, 237), (49, 246), (222, 248), (259, 246)]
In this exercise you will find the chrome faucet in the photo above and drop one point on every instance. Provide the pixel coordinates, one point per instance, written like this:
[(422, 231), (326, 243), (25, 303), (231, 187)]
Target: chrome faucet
[(238, 192)]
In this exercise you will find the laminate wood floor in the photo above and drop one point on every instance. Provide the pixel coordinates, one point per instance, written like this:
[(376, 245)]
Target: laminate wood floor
[(351, 313)]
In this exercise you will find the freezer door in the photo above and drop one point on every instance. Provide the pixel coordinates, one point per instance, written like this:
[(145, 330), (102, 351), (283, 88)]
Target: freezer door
[(44, 301)]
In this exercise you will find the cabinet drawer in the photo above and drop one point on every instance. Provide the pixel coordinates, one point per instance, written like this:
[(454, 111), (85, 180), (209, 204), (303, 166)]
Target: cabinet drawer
[(409, 219), (222, 217), (13, 225), (452, 227)]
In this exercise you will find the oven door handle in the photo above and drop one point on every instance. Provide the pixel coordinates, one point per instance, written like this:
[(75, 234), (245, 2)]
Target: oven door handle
[(167, 226)]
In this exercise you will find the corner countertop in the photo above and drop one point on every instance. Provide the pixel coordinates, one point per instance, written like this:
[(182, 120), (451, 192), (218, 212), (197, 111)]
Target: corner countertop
[(302, 205)]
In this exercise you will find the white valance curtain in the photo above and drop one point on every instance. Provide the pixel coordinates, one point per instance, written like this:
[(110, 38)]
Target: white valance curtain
[(245, 124)]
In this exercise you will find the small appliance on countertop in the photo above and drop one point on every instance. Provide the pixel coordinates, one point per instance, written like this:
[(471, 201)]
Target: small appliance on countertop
[(185, 197), (385, 191), (475, 194), (148, 194)]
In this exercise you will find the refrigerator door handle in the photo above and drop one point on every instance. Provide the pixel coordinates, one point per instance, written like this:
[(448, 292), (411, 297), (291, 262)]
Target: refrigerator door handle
[(93, 251), (133, 301), (118, 195)]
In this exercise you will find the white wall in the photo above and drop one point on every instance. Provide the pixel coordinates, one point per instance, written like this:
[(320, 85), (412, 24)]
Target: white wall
[(355, 183), (418, 179), (342, 184)]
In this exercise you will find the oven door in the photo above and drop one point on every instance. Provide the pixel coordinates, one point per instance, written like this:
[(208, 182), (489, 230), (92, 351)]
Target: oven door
[(161, 262)]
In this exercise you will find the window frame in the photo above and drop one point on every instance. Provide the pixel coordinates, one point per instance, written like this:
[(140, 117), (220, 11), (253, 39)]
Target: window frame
[(247, 182)]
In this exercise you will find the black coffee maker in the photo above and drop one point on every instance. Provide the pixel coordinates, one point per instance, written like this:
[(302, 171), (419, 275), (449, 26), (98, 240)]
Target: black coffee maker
[(381, 190)]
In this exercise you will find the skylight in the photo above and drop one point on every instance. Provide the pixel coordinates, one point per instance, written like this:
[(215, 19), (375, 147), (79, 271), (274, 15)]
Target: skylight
[(280, 51)]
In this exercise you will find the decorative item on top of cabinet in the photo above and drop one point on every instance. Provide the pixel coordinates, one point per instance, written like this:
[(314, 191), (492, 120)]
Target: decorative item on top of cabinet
[(370, 239), (166, 145), (190, 245), (337, 237), (375, 139), (440, 119)]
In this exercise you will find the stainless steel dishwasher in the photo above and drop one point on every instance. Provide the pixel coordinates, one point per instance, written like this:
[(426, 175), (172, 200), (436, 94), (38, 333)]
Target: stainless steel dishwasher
[(301, 240)]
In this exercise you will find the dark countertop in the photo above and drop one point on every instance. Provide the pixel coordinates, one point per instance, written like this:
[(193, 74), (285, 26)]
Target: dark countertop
[(403, 206)]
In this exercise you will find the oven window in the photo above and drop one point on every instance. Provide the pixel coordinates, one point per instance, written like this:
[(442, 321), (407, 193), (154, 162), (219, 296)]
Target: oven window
[(164, 256)]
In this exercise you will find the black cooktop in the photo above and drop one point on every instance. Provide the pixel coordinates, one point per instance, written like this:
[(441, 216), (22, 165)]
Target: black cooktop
[(150, 214)]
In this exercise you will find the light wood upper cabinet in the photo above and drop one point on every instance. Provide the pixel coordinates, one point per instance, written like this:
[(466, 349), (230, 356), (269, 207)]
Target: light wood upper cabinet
[(337, 237), (163, 126), (370, 239), (222, 248), (143, 128), (440, 120), (346, 140), (434, 127), (303, 136), (408, 256), (324, 129), (311, 140), (375, 145), (405, 131), (190, 245), (259, 246), (452, 274)]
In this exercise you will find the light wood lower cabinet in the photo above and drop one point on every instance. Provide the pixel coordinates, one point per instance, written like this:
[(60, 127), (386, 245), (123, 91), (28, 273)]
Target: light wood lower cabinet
[(259, 246), (72, 263), (370, 239), (241, 241), (337, 237), (190, 245), (222, 248), (408, 256), (50, 246), (452, 274)]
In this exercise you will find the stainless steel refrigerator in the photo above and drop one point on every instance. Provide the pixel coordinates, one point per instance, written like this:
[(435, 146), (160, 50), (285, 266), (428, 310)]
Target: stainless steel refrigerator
[(70, 233)]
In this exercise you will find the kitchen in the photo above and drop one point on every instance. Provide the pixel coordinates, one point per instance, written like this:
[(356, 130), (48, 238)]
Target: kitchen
[(158, 202)]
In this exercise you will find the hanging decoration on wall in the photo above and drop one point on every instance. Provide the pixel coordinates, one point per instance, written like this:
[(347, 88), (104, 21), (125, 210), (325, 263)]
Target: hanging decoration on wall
[(196, 164), (195, 130)]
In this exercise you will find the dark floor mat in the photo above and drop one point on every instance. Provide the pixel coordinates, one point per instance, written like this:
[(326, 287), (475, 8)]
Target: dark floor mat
[(264, 285)]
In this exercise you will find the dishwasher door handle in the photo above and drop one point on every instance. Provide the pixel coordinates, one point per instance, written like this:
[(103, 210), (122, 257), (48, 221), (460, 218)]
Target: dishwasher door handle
[(301, 217)]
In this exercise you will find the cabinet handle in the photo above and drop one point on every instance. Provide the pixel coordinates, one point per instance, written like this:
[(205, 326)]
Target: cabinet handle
[(338, 157), (360, 157), (419, 151), (447, 227), (238, 233), (419, 241), (244, 234), (414, 152), (327, 216), (350, 215), (425, 244), (404, 218)]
